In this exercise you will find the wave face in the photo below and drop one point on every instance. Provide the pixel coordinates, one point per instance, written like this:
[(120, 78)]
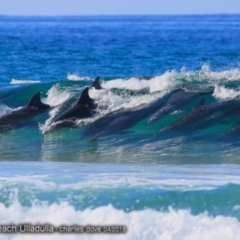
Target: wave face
[(136, 116), (160, 155)]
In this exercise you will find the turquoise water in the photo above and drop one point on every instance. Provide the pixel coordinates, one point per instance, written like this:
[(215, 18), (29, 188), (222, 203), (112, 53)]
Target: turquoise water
[(171, 179)]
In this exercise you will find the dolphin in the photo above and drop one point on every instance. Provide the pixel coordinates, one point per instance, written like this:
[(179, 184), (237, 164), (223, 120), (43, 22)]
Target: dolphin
[(201, 111), (33, 108), (221, 118), (82, 109), (119, 121), (176, 101), (96, 84)]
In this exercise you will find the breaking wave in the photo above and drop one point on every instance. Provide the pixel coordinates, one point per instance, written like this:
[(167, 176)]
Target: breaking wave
[(173, 79), (145, 224), (134, 92)]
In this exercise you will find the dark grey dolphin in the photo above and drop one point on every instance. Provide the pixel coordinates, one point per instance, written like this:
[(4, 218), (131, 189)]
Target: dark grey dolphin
[(176, 101), (82, 109), (201, 111), (119, 121), (96, 84), (220, 118), (33, 108)]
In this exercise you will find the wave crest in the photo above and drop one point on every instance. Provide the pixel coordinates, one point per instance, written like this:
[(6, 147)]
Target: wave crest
[(76, 77)]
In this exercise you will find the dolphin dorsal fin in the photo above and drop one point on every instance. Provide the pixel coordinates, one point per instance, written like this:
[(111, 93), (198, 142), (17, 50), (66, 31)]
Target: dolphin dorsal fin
[(84, 98), (35, 101), (96, 84), (200, 103)]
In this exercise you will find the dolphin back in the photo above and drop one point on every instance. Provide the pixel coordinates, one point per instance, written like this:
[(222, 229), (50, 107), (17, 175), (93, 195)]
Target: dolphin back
[(81, 109)]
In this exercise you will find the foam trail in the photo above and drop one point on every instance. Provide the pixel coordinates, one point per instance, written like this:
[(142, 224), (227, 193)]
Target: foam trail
[(145, 224), (55, 97), (47, 125), (16, 81)]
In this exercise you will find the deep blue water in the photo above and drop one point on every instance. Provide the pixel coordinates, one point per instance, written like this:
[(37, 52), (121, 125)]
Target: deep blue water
[(114, 168), (47, 48)]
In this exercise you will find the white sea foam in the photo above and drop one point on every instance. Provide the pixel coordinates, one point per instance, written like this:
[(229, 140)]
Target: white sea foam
[(159, 83), (47, 125), (5, 109), (172, 79), (145, 224), (108, 101), (76, 77), (131, 83), (205, 74), (221, 92), (56, 95), (16, 81)]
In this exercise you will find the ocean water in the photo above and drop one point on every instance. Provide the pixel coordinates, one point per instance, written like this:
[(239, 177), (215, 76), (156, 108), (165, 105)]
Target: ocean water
[(176, 177)]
